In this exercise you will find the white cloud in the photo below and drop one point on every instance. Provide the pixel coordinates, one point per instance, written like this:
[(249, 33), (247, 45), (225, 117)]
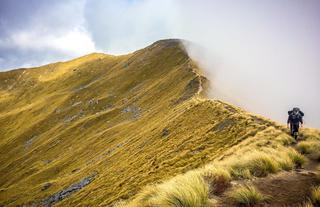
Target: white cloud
[(123, 26), (51, 32), (75, 41)]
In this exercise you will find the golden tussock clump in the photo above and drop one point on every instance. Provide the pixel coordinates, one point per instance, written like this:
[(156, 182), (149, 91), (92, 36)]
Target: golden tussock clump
[(188, 190), (247, 196)]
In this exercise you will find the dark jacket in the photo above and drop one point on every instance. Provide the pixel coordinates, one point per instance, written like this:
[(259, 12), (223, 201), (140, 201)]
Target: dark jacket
[(295, 118)]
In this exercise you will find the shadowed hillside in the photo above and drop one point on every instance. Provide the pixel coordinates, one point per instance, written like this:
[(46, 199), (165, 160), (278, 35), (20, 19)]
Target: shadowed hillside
[(98, 129)]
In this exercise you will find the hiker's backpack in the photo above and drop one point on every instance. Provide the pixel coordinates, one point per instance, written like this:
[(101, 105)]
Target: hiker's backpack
[(296, 117), (300, 113)]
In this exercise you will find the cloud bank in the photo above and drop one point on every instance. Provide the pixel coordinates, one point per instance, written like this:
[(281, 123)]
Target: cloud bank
[(262, 55), (38, 32)]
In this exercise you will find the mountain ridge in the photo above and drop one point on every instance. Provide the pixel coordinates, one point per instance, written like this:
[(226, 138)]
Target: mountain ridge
[(129, 120)]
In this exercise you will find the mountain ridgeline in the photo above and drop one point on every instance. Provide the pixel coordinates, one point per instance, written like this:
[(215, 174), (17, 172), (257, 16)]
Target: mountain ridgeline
[(96, 130)]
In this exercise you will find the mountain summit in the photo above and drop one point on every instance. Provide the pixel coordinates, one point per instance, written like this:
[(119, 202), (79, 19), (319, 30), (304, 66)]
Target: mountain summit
[(99, 129)]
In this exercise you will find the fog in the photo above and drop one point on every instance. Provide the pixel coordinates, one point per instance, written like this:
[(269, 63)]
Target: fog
[(261, 55)]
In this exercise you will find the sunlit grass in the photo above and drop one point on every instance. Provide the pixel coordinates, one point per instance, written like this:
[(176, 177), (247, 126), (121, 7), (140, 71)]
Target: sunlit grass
[(195, 186), (315, 195), (297, 158), (247, 196), (188, 190), (260, 163), (307, 204), (311, 147), (217, 177), (308, 146)]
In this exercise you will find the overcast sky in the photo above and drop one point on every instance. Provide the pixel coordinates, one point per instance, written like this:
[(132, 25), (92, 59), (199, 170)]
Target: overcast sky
[(263, 55)]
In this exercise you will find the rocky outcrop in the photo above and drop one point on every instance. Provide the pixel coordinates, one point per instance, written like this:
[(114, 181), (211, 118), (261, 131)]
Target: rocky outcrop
[(68, 191)]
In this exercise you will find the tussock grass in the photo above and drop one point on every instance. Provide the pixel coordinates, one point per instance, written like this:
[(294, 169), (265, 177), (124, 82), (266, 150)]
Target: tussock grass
[(286, 140), (194, 187), (285, 163), (255, 164), (217, 177), (309, 146), (297, 158), (247, 195), (307, 204), (315, 195), (261, 163), (188, 190)]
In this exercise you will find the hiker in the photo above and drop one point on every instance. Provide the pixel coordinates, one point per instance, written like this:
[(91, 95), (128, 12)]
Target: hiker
[(295, 121)]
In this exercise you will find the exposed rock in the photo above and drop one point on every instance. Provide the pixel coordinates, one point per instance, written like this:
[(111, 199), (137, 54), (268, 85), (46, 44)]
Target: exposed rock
[(134, 110), (68, 191)]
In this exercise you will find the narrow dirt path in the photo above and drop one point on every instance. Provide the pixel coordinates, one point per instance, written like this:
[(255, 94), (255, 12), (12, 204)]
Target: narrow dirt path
[(282, 189), (290, 188)]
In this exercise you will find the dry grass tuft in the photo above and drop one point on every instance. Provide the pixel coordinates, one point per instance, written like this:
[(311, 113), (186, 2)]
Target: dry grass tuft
[(188, 190), (285, 163), (261, 163), (315, 195), (286, 140), (192, 189), (257, 164), (218, 178), (308, 147), (307, 204), (297, 158), (311, 147), (247, 196)]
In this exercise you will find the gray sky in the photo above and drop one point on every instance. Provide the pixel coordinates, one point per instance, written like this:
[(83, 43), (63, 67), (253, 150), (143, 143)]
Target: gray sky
[(262, 55)]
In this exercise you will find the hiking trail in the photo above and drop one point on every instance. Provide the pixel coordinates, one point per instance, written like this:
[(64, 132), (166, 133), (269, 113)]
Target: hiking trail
[(286, 188)]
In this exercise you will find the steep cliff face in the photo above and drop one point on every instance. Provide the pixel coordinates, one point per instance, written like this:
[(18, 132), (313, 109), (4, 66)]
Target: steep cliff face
[(97, 129)]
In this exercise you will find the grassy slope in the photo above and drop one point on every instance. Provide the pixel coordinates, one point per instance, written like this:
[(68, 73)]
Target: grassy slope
[(133, 119)]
